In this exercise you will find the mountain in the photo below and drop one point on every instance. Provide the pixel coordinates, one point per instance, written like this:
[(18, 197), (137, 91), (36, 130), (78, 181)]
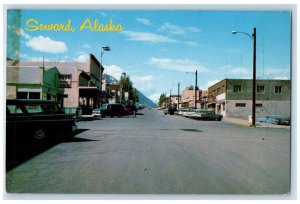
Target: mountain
[(143, 99), (146, 101), (109, 79)]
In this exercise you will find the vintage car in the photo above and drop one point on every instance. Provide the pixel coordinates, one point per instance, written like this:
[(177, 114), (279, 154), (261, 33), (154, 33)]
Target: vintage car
[(36, 119), (110, 109), (273, 119), (206, 115)]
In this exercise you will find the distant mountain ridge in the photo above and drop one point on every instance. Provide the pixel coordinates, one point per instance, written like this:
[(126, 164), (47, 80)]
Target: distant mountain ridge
[(143, 99)]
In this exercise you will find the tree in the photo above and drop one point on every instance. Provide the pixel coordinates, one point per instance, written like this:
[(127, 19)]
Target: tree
[(162, 99), (127, 86), (135, 96), (191, 87)]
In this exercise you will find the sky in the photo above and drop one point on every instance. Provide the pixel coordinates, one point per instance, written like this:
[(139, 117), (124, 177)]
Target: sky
[(159, 48)]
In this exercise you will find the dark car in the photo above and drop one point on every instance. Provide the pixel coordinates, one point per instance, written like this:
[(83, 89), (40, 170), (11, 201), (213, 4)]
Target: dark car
[(36, 119), (284, 121), (206, 115), (112, 109), (130, 109)]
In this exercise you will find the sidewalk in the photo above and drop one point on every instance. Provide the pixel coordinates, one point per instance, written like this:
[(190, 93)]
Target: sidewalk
[(246, 123)]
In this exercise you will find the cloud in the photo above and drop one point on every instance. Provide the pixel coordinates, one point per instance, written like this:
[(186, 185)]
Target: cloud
[(20, 32), (146, 78), (178, 30), (143, 21), (148, 37), (184, 65), (144, 83), (25, 57), (154, 97), (240, 71), (82, 58), (46, 44), (114, 71), (210, 83), (154, 38), (190, 43)]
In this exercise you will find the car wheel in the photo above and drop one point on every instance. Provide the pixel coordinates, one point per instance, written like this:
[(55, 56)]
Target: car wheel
[(39, 134)]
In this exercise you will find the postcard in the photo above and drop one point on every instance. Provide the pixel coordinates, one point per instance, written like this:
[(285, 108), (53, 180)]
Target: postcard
[(167, 102)]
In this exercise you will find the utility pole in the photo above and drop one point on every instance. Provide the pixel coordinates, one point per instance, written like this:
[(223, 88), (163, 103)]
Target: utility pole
[(196, 90), (178, 96)]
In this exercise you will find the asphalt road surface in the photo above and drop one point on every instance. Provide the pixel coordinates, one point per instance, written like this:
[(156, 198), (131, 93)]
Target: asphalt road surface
[(155, 154)]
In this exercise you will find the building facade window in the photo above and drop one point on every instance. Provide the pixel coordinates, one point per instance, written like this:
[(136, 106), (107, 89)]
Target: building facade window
[(258, 105), (22, 95), (278, 89), (28, 95), (237, 88), (240, 105), (260, 89), (34, 95)]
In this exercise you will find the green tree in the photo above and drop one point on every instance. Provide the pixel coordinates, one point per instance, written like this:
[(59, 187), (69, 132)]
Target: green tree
[(135, 95), (191, 87), (162, 99), (127, 86)]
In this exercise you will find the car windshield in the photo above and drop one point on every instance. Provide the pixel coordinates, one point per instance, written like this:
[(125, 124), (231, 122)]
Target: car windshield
[(104, 105), (43, 108)]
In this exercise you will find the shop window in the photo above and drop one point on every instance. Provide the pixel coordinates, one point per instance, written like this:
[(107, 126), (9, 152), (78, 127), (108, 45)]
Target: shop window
[(22, 95), (34, 95)]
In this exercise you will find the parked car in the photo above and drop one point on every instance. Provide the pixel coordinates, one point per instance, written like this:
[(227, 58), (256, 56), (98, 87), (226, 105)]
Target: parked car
[(129, 109), (200, 114), (165, 111), (112, 109), (210, 115), (271, 119), (284, 121), (96, 112), (36, 119)]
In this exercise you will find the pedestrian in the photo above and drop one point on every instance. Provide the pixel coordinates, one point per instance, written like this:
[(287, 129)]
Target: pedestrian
[(134, 111)]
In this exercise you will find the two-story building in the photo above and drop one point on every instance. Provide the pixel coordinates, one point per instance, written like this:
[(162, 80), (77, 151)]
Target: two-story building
[(81, 82), (233, 97), (188, 98), (33, 82)]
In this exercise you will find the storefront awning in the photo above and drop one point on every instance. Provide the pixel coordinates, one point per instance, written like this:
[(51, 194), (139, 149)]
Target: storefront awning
[(220, 101), (212, 103), (86, 91)]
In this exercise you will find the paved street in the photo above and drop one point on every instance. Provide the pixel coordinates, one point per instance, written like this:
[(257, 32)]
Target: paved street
[(157, 154)]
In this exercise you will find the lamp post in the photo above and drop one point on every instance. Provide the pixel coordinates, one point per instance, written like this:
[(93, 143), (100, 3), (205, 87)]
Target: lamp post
[(253, 37), (104, 48)]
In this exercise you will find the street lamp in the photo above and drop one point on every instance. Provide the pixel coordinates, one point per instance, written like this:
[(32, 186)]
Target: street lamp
[(104, 48), (196, 78), (253, 37)]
